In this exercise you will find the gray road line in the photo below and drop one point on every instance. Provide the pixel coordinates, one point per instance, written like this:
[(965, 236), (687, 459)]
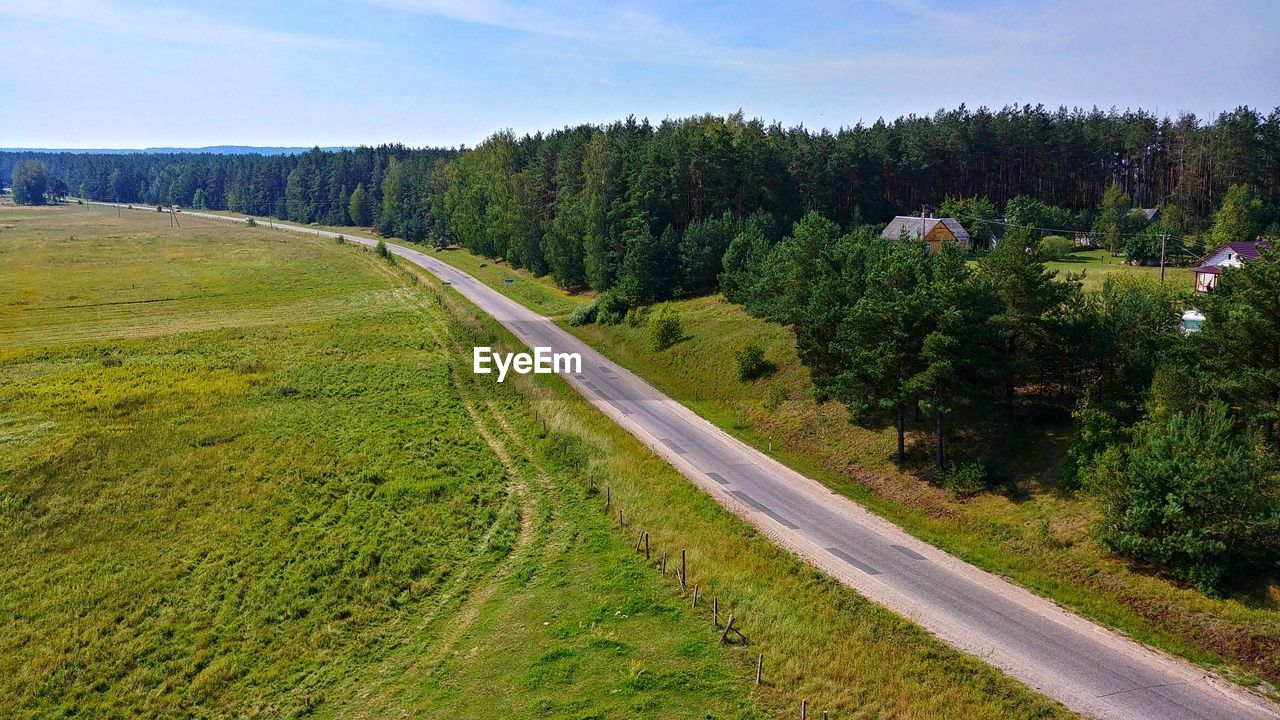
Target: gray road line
[(1088, 668), (674, 447), (908, 552), (718, 478), (853, 561), (765, 509)]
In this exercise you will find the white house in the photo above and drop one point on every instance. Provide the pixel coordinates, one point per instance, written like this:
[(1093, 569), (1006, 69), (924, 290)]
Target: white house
[(1230, 255)]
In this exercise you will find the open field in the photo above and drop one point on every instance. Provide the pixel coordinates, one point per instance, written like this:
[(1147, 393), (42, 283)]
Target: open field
[(266, 515), (1098, 264), (259, 500), (1033, 534)]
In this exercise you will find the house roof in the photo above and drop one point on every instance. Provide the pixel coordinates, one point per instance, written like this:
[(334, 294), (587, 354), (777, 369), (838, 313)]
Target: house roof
[(1148, 213), (911, 226), (1209, 270), (1246, 251)]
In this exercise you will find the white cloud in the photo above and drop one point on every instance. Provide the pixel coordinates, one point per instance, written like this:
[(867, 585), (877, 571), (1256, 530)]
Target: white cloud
[(166, 24)]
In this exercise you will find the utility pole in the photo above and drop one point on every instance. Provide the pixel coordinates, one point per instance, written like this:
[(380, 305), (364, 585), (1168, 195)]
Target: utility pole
[(1164, 239)]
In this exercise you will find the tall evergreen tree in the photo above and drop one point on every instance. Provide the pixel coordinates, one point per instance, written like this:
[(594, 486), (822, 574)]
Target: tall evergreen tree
[(879, 339), (960, 354)]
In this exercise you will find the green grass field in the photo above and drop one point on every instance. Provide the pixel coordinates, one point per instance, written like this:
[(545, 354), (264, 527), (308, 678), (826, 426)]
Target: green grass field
[(1034, 535), (246, 473), (1098, 264)]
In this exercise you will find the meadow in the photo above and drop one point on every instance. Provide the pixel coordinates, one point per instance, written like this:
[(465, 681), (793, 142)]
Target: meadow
[(246, 473), (1096, 265), (1028, 531)]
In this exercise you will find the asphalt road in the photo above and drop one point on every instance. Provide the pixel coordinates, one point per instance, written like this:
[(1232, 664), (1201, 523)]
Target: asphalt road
[(1088, 668)]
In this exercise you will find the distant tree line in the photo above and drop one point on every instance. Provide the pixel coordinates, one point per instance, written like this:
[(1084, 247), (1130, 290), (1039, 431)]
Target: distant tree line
[(578, 202), (383, 186)]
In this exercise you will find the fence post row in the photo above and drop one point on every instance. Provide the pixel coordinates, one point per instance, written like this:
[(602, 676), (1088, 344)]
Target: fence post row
[(683, 575)]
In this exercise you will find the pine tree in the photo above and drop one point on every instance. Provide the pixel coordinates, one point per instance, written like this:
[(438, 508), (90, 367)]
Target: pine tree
[(1199, 498), (744, 263), (960, 354), (879, 339)]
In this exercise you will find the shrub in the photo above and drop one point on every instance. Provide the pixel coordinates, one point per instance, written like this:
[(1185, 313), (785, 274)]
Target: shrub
[(774, 396), (341, 239), (611, 308), (1055, 247), (1142, 249), (967, 480), (667, 329), (1198, 498), (751, 363), (635, 317), (381, 251), (251, 222), (584, 315), (1095, 431)]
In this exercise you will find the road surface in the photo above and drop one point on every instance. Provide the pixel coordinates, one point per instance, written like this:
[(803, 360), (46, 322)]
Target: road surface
[(1088, 668)]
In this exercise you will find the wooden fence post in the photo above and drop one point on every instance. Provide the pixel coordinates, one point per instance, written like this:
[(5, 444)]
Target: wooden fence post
[(804, 710), (646, 546), (727, 627), (715, 611), (759, 667), (620, 523), (608, 497), (683, 570), (695, 596), (664, 564)]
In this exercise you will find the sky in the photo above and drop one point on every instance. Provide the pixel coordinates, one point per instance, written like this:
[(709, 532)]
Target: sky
[(136, 73)]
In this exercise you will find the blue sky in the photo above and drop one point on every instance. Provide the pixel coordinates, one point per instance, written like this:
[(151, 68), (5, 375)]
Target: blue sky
[(133, 73)]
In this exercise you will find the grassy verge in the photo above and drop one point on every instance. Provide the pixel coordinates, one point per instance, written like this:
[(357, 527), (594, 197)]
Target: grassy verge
[(1032, 534)]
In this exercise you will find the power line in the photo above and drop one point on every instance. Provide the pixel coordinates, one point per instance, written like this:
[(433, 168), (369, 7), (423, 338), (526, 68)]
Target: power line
[(1056, 231)]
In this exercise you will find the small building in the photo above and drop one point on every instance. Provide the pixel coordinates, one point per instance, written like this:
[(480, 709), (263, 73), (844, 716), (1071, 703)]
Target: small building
[(933, 231), (1147, 215), (1230, 255)]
